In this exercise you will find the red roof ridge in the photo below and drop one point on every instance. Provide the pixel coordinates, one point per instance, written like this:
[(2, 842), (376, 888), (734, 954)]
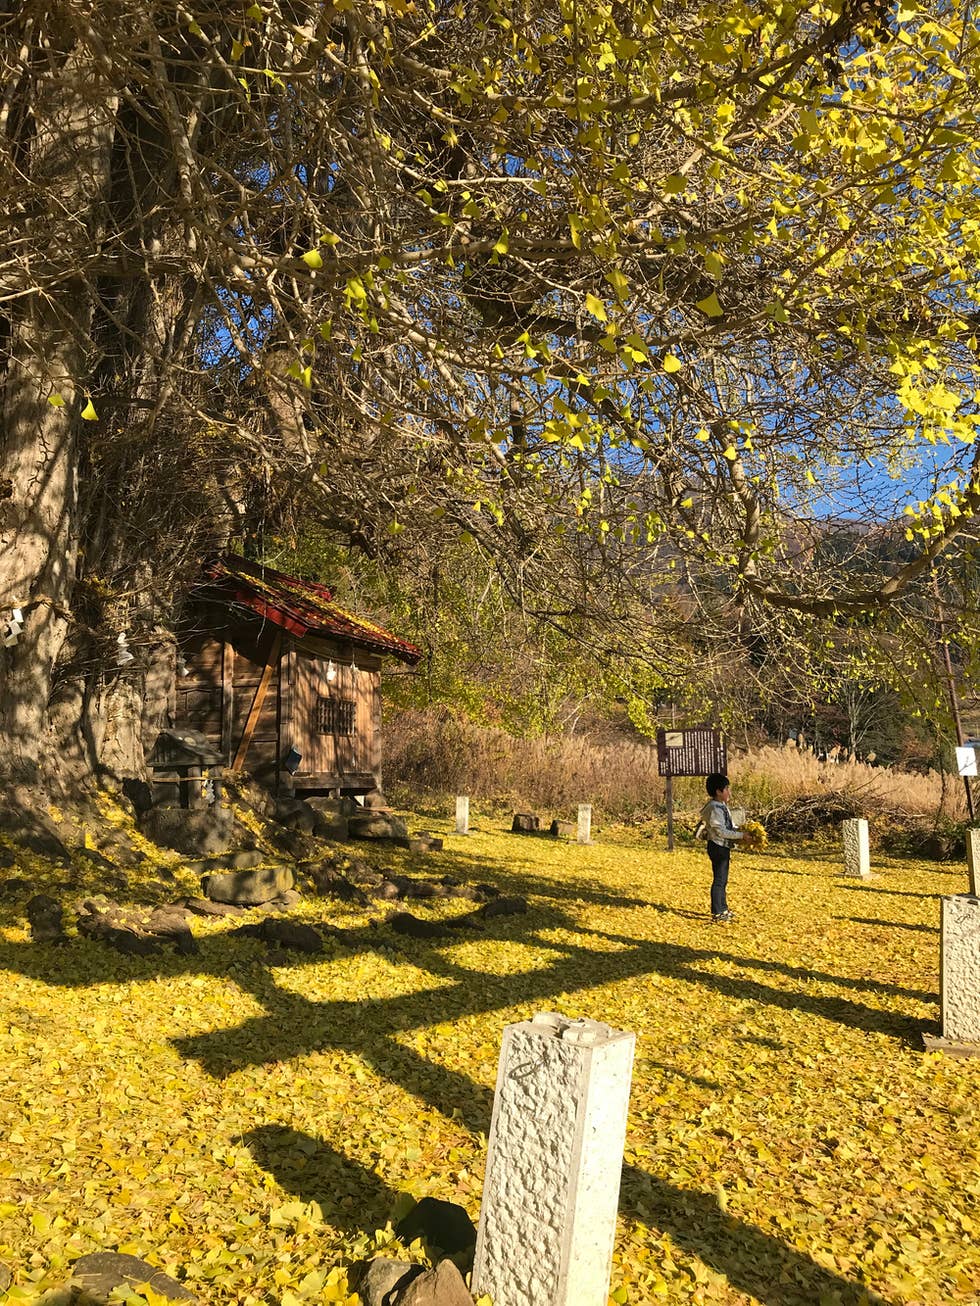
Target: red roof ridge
[(300, 606)]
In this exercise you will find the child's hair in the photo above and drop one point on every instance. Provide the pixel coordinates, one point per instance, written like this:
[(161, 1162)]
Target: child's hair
[(716, 783)]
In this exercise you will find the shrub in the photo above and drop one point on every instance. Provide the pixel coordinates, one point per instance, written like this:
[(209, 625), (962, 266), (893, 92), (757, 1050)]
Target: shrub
[(435, 753)]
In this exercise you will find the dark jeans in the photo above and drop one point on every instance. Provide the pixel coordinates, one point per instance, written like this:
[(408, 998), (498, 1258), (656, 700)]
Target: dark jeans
[(720, 856)]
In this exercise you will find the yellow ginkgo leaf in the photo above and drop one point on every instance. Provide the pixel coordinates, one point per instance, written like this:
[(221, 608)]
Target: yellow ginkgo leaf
[(710, 305), (88, 412), (672, 363), (596, 307)]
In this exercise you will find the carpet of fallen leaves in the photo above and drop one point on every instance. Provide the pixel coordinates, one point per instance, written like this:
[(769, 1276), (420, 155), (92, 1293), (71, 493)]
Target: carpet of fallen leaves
[(251, 1125)]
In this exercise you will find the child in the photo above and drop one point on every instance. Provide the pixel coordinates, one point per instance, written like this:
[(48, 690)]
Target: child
[(721, 834)]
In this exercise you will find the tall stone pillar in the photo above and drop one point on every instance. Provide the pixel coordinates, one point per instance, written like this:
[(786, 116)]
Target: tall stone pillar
[(959, 991), (585, 823), (857, 854), (973, 860), (548, 1217), (462, 815)]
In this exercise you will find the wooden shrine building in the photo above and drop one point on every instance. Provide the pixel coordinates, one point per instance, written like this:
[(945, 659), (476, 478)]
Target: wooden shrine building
[(281, 681)]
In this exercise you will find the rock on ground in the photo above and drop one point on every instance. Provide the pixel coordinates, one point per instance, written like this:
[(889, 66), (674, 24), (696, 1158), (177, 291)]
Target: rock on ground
[(526, 823), (204, 907), (101, 1272), (442, 1224), (46, 916), (196, 831), (292, 934), (504, 907), (442, 1286), (16, 884), (379, 1278), (377, 825), (248, 888), (403, 922)]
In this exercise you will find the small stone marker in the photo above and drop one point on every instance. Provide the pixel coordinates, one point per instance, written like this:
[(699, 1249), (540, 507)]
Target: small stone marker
[(585, 822), (973, 860), (548, 1218), (857, 856), (526, 823), (462, 815)]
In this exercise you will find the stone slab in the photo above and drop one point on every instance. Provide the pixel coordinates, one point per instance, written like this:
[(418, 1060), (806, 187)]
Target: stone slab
[(959, 992), (248, 888), (548, 1219), (857, 852), (950, 1046)]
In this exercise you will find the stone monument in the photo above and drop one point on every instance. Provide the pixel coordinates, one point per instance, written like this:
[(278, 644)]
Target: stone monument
[(857, 857), (973, 860), (959, 987), (548, 1216), (585, 822), (462, 816)]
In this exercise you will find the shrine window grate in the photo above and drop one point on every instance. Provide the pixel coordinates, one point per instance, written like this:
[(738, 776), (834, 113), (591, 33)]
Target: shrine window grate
[(334, 716)]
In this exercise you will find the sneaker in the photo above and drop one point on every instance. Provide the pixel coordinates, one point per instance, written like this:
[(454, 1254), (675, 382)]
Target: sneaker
[(723, 919)]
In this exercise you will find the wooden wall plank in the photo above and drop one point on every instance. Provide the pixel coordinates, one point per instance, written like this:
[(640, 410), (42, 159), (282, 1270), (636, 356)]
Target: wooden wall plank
[(272, 662)]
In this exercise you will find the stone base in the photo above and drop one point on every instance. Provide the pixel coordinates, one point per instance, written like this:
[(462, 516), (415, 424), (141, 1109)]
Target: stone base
[(950, 1046)]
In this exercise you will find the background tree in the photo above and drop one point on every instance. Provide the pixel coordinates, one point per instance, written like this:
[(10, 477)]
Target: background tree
[(641, 289)]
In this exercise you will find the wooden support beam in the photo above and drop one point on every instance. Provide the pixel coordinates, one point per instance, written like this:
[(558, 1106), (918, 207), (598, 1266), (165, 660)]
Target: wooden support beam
[(227, 698), (260, 692)]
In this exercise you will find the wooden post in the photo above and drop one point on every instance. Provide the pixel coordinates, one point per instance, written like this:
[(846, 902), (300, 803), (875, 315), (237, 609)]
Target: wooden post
[(954, 702), (227, 699), (195, 788), (669, 793), (257, 701)]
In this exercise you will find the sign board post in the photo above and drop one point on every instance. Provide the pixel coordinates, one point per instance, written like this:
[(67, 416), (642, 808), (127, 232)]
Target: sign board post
[(694, 750)]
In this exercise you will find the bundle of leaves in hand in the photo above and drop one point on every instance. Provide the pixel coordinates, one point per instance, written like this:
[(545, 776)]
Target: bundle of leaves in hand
[(755, 835)]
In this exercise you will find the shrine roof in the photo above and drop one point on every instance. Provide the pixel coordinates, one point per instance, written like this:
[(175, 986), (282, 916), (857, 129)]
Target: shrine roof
[(298, 606)]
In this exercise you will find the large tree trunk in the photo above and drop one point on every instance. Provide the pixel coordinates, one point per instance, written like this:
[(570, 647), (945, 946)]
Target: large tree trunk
[(63, 130)]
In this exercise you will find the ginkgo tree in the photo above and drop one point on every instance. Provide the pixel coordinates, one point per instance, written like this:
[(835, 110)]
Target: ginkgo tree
[(690, 280)]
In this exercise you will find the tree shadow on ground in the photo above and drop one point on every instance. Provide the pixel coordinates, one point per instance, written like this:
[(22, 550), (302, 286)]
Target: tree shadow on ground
[(575, 967), (351, 1196), (779, 870), (891, 925), (894, 893), (292, 1025), (754, 1262)]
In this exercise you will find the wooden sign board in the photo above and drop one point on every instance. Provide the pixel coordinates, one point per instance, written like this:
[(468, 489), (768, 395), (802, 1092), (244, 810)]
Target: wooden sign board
[(695, 750)]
